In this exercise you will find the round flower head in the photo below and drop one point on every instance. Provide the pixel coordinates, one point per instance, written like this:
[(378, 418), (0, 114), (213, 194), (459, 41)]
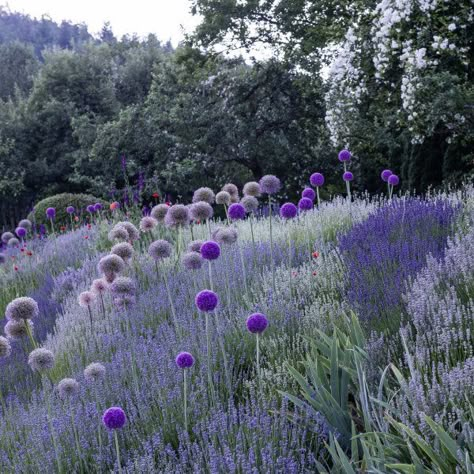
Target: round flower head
[(68, 388), (132, 231), (6, 236), (344, 155), (160, 249), (257, 323), (204, 194), (51, 213), (22, 308), (206, 300), (385, 175), (70, 210), (226, 236), (114, 205), (122, 286), (94, 372), (110, 277), (119, 232), (99, 286), (13, 242), (223, 197), (114, 418), (305, 204), (86, 298), (41, 359), (17, 329), (20, 231), (124, 250), (3, 258), (347, 176), (236, 211), (252, 188), (90, 208), (210, 250), (231, 189), (111, 264), (177, 216), (148, 223), (316, 179), (26, 224), (288, 210), (201, 211), (5, 347), (192, 261), (159, 212), (308, 193), (250, 203), (270, 184), (195, 245), (184, 360), (98, 207), (124, 301), (393, 180)]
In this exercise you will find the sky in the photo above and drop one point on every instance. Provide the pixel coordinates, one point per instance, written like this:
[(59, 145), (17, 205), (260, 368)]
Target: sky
[(165, 18)]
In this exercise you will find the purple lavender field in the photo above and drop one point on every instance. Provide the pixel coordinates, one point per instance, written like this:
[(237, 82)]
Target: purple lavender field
[(240, 333)]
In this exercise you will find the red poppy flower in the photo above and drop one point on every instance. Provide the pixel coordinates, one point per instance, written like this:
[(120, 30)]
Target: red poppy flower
[(315, 254)]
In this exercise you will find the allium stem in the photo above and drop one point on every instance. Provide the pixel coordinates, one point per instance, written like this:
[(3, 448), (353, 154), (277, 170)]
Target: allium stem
[(208, 222), (226, 214), (317, 194), (102, 305), (242, 261), (76, 435), (290, 262), (185, 401), (348, 185), (30, 335), (170, 299), (389, 191), (272, 263), (251, 230), (258, 360), (50, 424), (90, 314), (117, 448), (211, 285), (208, 344)]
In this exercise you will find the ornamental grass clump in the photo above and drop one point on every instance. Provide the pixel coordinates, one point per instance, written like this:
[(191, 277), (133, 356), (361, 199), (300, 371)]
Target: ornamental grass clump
[(185, 361)]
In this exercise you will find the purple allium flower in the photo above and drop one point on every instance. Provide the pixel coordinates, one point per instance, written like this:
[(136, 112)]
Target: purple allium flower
[(250, 203), (51, 213), (99, 286), (184, 360), (159, 212), (223, 197), (13, 242), (206, 300), (124, 250), (177, 216), (17, 329), (344, 155), (257, 323), (204, 194), (26, 224), (119, 232), (195, 246), (70, 209), (90, 208), (160, 249), (41, 359), (270, 184), (316, 179), (393, 180), (252, 188), (305, 204), (6, 236), (236, 211), (5, 347), (347, 176), (288, 210), (98, 207), (94, 372), (20, 231), (386, 174), (192, 260), (201, 211), (86, 298), (22, 308), (123, 286), (133, 233), (114, 418), (210, 250), (148, 223), (225, 235), (231, 189), (68, 388), (308, 193), (111, 264)]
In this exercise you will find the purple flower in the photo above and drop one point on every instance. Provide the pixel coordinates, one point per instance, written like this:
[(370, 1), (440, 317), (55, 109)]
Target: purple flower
[(206, 300), (97, 207), (114, 418), (316, 179), (70, 209), (51, 213), (305, 204), (184, 360), (210, 250), (192, 260), (90, 208), (309, 193), (236, 211), (386, 174), (288, 210), (20, 231), (344, 155), (257, 323), (270, 184), (347, 176), (393, 180)]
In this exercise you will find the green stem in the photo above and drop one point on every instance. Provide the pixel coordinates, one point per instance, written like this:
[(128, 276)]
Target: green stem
[(258, 360), (289, 263), (170, 299), (30, 334), (117, 448), (272, 263), (185, 402), (317, 194)]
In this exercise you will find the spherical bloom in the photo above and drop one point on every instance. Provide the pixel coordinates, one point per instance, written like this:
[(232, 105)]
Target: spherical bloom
[(184, 360), (204, 194), (68, 388), (210, 250), (316, 179), (6, 236), (124, 301), (133, 233), (206, 300), (20, 231), (309, 194), (5, 347), (385, 175), (236, 211), (124, 250), (122, 286), (201, 211), (231, 189), (234, 198), (270, 184), (119, 232), (252, 188), (98, 207), (159, 212), (13, 242), (114, 418), (94, 372), (22, 308), (393, 180), (3, 258), (177, 216), (305, 204), (344, 155), (90, 208), (41, 359), (99, 286), (225, 235), (160, 249), (70, 210), (17, 329), (223, 197), (51, 213), (250, 203), (148, 223), (288, 210), (111, 264), (26, 224), (195, 245), (347, 176), (192, 260), (110, 277), (257, 323), (86, 298)]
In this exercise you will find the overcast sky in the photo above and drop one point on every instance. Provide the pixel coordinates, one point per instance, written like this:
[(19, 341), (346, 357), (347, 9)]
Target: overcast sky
[(165, 18)]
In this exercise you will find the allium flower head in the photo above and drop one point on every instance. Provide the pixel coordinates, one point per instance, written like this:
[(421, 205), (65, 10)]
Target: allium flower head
[(90, 208), (3, 258), (210, 250), (252, 188), (99, 286), (305, 204), (94, 372), (206, 300), (119, 232), (316, 180), (70, 210), (393, 180), (41, 359), (184, 360), (114, 418), (192, 260), (308, 193), (288, 210), (68, 388), (17, 329), (98, 207), (148, 223), (110, 277), (20, 231), (201, 211), (231, 189), (6, 236), (160, 249), (26, 224), (223, 197), (123, 249), (257, 323), (159, 212), (385, 175), (133, 233), (347, 176), (250, 203), (344, 155), (270, 184), (5, 347), (13, 242), (236, 211), (22, 308), (51, 213), (204, 194), (226, 235), (86, 298), (195, 245), (123, 286), (177, 216), (111, 264)]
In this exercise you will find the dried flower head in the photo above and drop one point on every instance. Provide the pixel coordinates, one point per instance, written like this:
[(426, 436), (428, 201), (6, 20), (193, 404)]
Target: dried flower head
[(148, 223), (225, 235), (17, 329), (195, 245), (41, 359), (22, 308), (270, 184), (204, 194), (252, 188), (159, 212), (26, 224), (94, 372), (111, 264), (6, 236), (99, 286), (5, 347), (160, 249), (250, 203), (68, 388), (124, 250), (177, 216), (86, 298), (201, 211), (192, 260), (223, 197)]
